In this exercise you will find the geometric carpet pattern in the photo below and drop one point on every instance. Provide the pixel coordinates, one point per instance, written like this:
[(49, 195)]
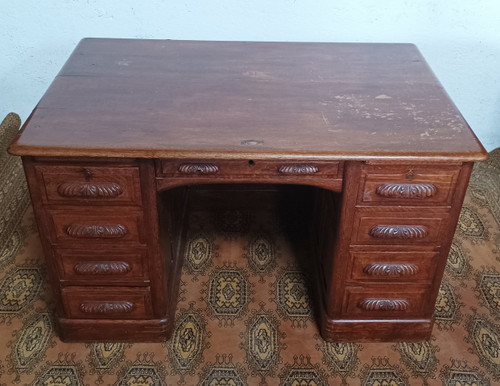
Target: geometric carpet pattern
[(245, 314)]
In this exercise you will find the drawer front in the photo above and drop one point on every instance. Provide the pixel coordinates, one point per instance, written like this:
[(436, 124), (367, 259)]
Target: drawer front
[(392, 266), (101, 266), (224, 168), (407, 185), (89, 184), (379, 302), (107, 303), (96, 226), (401, 228)]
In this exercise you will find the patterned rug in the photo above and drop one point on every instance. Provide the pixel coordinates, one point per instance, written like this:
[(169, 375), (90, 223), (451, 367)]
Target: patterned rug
[(244, 315)]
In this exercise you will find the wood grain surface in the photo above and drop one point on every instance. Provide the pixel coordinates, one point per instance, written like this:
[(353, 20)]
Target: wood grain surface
[(161, 98)]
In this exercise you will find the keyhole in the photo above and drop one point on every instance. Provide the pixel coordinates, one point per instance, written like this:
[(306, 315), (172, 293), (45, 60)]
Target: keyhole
[(88, 174), (251, 163)]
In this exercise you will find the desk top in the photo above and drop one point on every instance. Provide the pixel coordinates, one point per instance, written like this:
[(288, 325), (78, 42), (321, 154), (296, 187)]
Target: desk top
[(161, 98)]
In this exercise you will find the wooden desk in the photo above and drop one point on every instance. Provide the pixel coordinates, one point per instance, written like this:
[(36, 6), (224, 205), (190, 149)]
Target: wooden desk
[(127, 121)]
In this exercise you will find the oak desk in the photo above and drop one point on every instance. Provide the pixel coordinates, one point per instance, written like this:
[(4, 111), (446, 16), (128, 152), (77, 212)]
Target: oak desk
[(128, 125)]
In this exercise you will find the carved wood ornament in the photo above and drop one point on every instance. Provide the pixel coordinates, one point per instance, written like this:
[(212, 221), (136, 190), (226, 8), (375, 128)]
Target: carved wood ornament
[(202, 168), (90, 189), (384, 304), (399, 231), (107, 307), (96, 231), (298, 169), (102, 268), (385, 269), (393, 190)]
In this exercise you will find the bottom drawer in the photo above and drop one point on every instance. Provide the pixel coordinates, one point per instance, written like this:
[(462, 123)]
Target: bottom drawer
[(98, 266), (375, 302), (107, 303)]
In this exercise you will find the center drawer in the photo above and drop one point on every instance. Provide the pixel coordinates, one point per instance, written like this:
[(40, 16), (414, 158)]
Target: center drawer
[(227, 168)]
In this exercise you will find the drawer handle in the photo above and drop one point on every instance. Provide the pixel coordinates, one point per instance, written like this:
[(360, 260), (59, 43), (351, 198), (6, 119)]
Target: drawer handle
[(381, 269), (392, 190), (107, 307), (298, 169), (399, 231), (90, 190), (102, 268), (384, 304), (198, 168), (96, 231)]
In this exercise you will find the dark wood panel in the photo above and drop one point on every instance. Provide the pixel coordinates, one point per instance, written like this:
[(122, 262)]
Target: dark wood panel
[(164, 300)]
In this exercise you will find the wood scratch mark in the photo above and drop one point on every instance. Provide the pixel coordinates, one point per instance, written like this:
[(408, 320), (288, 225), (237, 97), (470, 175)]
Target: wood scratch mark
[(383, 96), (325, 119)]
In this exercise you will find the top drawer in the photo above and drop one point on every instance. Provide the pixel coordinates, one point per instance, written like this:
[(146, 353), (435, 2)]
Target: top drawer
[(89, 184), (407, 184)]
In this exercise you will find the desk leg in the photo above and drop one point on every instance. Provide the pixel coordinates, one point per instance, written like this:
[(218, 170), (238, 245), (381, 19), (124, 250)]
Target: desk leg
[(398, 302)]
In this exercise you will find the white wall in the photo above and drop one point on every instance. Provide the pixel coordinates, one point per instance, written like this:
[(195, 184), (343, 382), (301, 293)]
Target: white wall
[(459, 38)]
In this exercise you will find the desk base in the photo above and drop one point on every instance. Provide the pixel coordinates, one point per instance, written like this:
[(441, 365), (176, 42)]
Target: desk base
[(93, 330), (341, 330), (115, 255)]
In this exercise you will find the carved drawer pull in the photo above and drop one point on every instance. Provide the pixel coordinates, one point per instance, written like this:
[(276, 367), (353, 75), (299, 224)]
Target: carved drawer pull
[(382, 269), (102, 268), (298, 169), (399, 231), (393, 190), (96, 231), (107, 307), (90, 189), (198, 168), (384, 304)]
